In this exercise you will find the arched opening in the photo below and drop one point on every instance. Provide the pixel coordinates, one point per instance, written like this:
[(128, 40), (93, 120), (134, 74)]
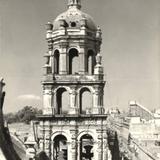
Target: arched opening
[(91, 61), (62, 99), (85, 101), (86, 147), (60, 148), (56, 62), (73, 61)]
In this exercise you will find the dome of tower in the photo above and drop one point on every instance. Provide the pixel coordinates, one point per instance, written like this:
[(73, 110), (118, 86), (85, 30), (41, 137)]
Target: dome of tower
[(73, 18)]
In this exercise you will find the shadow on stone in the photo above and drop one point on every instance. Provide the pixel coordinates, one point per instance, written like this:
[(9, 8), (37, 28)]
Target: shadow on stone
[(6, 145)]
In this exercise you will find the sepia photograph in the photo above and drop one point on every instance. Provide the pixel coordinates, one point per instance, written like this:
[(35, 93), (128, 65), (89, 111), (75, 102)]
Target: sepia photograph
[(79, 79)]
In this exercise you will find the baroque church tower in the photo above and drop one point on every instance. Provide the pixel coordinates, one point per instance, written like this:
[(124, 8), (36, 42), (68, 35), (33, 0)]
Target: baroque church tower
[(71, 127)]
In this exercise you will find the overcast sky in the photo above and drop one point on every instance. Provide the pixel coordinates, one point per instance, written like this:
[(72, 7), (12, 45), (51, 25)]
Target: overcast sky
[(130, 49)]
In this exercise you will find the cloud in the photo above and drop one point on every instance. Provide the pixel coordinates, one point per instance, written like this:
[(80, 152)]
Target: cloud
[(28, 97)]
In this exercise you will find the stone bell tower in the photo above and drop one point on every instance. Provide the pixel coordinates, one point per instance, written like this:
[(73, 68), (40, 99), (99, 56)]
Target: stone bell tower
[(73, 76)]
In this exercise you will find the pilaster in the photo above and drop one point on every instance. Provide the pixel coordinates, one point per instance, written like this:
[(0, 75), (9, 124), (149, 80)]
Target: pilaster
[(47, 100), (47, 67), (82, 60), (52, 63), (105, 145), (73, 101), (74, 144), (100, 145), (63, 61), (98, 100)]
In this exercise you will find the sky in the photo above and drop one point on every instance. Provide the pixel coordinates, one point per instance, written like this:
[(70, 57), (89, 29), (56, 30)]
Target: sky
[(130, 49)]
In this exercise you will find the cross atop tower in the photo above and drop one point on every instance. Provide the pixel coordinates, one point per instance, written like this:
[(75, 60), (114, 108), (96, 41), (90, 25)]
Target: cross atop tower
[(76, 3)]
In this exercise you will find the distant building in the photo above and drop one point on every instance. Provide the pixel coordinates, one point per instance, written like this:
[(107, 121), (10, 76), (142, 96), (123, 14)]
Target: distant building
[(142, 124), (157, 117), (137, 110)]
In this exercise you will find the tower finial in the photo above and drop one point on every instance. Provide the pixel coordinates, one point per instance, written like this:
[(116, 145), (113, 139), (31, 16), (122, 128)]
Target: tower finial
[(76, 3)]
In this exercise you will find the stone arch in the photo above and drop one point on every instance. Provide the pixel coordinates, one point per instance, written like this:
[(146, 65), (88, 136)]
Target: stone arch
[(73, 60), (60, 146), (86, 146), (62, 100), (61, 133), (91, 61), (91, 133), (85, 100), (56, 55), (92, 48), (73, 47), (54, 49), (88, 87), (67, 88)]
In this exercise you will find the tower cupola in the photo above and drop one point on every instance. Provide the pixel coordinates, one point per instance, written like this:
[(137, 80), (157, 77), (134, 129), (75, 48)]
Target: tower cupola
[(73, 18)]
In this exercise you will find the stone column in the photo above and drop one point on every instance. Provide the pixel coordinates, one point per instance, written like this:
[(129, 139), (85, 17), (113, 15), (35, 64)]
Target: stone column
[(50, 140), (49, 27), (52, 63), (74, 144), (82, 60), (78, 150), (52, 150), (47, 138), (47, 67), (102, 110), (73, 102), (47, 100), (47, 147), (63, 61), (54, 101), (98, 100), (99, 150), (105, 145), (101, 98), (100, 145)]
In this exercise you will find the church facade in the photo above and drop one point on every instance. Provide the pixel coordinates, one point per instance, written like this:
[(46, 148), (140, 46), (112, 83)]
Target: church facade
[(73, 124)]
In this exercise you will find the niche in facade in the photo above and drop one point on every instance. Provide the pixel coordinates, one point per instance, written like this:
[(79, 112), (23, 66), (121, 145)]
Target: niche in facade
[(73, 61)]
